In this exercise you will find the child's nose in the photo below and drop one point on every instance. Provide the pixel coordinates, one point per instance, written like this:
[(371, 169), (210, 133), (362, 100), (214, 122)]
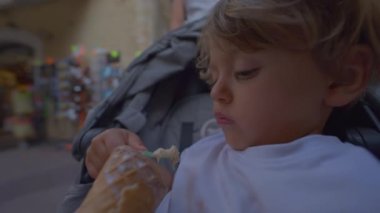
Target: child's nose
[(221, 92)]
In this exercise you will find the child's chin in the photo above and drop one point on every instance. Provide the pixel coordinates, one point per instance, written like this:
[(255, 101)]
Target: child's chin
[(235, 141), (238, 146), (239, 143)]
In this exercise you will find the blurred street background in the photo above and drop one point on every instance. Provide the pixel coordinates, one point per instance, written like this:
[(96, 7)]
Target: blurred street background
[(35, 179), (58, 59)]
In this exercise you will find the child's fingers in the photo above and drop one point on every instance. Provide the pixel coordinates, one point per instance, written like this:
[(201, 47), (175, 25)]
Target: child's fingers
[(135, 142), (105, 143), (93, 166), (117, 137), (113, 140), (92, 171), (96, 156), (100, 149)]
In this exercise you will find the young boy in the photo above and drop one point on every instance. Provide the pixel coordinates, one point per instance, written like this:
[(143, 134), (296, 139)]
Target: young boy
[(278, 68)]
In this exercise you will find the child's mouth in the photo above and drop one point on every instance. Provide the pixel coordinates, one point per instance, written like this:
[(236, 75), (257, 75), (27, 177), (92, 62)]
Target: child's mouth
[(221, 119)]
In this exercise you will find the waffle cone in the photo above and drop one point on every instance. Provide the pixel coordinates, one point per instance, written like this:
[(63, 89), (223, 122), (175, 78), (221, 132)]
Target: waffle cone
[(129, 182)]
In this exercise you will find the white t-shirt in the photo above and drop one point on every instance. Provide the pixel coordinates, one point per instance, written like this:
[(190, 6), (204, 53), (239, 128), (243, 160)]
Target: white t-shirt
[(315, 173)]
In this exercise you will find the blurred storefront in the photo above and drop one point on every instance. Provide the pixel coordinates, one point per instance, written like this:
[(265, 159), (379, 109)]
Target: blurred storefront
[(18, 116), (49, 99), (55, 67)]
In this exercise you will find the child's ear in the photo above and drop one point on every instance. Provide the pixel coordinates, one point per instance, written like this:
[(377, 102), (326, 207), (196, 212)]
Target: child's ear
[(353, 77)]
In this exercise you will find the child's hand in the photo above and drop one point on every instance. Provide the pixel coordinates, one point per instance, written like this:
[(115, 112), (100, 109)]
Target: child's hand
[(102, 146), (129, 182)]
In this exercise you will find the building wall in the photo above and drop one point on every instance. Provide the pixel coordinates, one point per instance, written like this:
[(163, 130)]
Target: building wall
[(125, 25)]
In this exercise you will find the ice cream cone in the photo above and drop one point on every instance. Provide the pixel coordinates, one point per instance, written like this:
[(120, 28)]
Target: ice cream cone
[(129, 182)]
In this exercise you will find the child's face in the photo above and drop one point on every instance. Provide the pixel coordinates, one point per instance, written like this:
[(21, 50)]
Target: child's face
[(266, 97)]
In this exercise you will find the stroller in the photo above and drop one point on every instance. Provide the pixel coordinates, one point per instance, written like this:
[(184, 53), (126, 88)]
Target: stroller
[(162, 99)]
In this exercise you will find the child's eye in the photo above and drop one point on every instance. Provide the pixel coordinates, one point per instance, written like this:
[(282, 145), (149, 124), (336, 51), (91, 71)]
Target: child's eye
[(246, 74)]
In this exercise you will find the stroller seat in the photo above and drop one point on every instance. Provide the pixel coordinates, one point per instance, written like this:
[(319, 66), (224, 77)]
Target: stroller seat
[(360, 123)]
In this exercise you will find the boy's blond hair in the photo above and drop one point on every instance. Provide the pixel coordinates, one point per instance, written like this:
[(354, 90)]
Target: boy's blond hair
[(326, 27)]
